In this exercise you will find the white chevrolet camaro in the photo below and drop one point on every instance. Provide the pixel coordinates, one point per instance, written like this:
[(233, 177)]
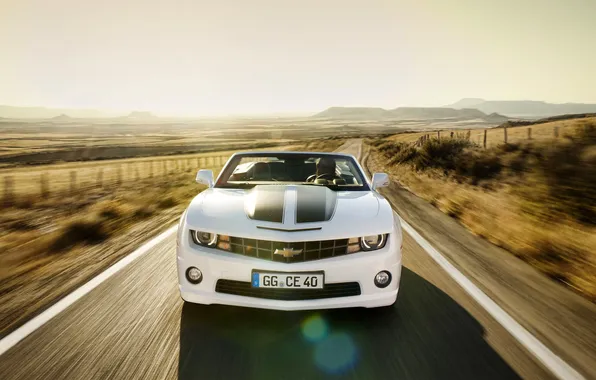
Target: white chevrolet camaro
[(290, 231)]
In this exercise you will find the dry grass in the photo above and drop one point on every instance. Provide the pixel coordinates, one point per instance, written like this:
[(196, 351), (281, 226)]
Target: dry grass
[(28, 181), (57, 243), (540, 205), (324, 145), (49, 246)]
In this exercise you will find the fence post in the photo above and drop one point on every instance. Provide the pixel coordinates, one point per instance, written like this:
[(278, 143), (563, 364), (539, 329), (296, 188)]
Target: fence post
[(44, 189), (8, 191), (484, 143), (99, 182), (119, 175), (556, 132), (468, 135), (439, 135), (505, 134), (451, 134), (73, 181)]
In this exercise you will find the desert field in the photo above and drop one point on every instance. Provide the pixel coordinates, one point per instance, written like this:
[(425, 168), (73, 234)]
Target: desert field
[(34, 142), (534, 197), (63, 223)]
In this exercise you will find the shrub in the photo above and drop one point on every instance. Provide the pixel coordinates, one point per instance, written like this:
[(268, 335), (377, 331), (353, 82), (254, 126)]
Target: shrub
[(556, 259), (110, 210), (376, 142), (518, 162), (571, 181), (79, 232), (167, 202), (389, 148), (405, 153), (478, 167), (506, 148), (143, 212), (441, 154), (564, 182)]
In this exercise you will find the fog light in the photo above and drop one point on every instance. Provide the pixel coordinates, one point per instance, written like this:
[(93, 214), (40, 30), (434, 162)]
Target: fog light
[(194, 275), (382, 279)]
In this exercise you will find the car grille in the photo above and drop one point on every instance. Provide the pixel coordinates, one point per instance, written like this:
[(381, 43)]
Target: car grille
[(311, 250), (241, 288)]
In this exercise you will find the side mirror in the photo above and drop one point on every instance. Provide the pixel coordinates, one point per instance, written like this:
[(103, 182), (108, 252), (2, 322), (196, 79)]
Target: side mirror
[(205, 177), (380, 180)]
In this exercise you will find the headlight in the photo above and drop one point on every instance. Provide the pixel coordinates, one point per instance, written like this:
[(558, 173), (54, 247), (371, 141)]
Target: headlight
[(366, 243), (372, 242), (204, 238)]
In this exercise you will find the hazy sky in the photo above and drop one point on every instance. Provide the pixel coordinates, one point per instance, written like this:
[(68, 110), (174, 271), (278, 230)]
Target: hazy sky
[(198, 57)]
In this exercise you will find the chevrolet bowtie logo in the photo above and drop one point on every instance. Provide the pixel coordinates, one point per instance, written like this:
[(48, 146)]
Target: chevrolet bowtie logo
[(287, 252)]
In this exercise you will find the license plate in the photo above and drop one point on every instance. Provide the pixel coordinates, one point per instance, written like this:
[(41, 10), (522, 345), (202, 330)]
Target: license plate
[(285, 280)]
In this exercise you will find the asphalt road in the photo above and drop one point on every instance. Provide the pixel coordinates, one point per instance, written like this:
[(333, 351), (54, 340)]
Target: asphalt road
[(135, 326)]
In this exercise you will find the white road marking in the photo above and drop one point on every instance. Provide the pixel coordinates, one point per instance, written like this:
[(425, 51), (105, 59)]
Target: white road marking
[(19, 334), (551, 361)]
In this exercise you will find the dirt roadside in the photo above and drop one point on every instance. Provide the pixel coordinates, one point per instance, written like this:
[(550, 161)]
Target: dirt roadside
[(559, 318)]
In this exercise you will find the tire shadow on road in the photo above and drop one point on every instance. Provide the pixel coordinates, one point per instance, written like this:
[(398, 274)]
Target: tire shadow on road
[(426, 335)]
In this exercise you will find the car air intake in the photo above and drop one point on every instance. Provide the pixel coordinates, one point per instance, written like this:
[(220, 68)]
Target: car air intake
[(289, 252), (245, 289)]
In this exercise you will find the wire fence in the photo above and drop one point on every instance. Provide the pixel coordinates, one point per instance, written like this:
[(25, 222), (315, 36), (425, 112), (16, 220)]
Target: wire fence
[(44, 182), (495, 136)]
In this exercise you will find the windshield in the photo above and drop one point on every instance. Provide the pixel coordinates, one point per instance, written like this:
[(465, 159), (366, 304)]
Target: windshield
[(337, 172)]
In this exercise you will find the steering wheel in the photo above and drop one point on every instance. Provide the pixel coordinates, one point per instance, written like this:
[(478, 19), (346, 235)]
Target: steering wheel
[(314, 177)]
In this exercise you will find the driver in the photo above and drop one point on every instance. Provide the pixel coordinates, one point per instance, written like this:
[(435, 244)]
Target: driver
[(326, 167)]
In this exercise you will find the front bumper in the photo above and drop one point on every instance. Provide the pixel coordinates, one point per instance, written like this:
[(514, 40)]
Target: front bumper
[(357, 267)]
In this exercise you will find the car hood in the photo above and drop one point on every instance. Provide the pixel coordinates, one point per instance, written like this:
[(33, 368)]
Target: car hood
[(290, 212)]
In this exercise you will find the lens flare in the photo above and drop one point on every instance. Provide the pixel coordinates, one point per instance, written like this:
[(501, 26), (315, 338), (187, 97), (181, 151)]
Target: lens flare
[(336, 354), (314, 328)]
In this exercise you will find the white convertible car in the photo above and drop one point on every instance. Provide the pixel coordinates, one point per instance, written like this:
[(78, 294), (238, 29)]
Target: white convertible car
[(290, 231)]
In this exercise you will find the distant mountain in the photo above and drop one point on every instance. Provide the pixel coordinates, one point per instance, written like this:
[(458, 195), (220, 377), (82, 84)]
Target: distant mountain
[(466, 103), (523, 108), (407, 113), (141, 115), (10, 112), (62, 117), (435, 113), (353, 113)]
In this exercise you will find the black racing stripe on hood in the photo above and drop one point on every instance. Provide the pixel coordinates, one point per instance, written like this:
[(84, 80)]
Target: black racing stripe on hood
[(268, 203), (314, 204)]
